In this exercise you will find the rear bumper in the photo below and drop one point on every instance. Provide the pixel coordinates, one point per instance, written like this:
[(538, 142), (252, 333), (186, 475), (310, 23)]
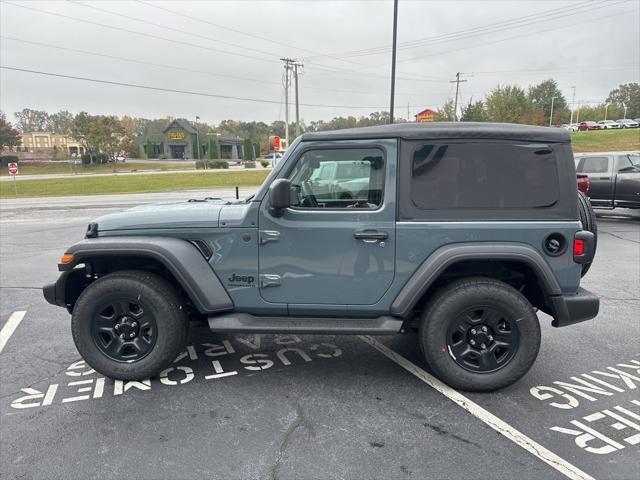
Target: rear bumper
[(570, 309)]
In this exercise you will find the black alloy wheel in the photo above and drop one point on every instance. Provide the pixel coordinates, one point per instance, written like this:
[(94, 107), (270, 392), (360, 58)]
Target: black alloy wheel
[(483, 339), (123, 329)]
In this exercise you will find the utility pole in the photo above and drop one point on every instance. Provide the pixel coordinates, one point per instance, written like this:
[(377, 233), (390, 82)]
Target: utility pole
[(606, 108), (573, 103), (290, 64), (551, 114), (457, 81), (295, 76)]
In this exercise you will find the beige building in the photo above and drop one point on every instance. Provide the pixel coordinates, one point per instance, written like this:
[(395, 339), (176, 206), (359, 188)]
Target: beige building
[(45, 141)]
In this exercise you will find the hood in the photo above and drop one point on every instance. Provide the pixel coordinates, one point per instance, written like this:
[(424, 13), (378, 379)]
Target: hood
[(190, 214)]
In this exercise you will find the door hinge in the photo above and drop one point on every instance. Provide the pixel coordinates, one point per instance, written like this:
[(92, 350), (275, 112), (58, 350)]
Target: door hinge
[(269, 280), (269, 236)]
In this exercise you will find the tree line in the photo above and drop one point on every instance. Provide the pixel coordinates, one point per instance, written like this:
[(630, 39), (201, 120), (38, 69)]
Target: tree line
[(504, 103)]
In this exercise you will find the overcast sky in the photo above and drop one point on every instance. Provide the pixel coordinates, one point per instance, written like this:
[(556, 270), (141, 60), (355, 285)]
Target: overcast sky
[(234, 48)]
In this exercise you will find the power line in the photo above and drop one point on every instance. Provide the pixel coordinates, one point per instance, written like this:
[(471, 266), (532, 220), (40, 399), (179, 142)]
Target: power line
[(172, 90), (207, 22), (157, 37), (201, 72), (147, 22), (516, 22)]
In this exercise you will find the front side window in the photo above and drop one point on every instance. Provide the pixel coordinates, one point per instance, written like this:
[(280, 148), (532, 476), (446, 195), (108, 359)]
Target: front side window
[(483, 176), (338, 178), (629, 163), (595, 165)]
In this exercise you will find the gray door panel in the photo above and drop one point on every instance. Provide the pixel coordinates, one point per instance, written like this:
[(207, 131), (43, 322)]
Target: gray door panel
[(317, 258), (600, 172)]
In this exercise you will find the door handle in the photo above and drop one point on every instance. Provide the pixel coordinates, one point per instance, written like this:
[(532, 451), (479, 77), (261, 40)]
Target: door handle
[(370, 235), (604, 178)]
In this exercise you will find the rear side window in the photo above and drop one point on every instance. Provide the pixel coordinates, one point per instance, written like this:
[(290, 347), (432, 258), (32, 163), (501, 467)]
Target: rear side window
[(595, 165), (483, 176)]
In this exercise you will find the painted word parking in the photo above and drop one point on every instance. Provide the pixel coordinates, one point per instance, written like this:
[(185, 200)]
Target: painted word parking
[(607, 430), (84, 383)]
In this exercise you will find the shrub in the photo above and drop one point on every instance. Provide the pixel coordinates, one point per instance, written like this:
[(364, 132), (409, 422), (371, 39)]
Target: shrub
[(199, 164), (218, 164), (8, 159), (250, 164), (213, 149), (249, 154), (256, 147), (264, 163), (101, 158), (85, 158)]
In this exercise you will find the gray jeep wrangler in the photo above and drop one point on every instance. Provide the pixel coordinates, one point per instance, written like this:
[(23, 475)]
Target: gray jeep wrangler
[(459, 231)]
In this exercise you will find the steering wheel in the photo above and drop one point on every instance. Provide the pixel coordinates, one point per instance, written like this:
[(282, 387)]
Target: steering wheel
[(309, 197)]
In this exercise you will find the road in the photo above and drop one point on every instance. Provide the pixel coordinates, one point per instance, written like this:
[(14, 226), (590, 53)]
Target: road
[(321, 406), (50, 176)]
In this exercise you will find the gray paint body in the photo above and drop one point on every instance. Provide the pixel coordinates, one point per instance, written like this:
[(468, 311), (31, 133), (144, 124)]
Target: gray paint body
[(312, 265)]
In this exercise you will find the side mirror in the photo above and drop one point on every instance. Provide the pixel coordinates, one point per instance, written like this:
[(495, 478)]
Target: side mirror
[(279, 196)]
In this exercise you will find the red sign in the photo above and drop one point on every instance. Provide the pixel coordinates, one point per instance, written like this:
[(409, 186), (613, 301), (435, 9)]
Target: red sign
[(274, 143), (13, 168)]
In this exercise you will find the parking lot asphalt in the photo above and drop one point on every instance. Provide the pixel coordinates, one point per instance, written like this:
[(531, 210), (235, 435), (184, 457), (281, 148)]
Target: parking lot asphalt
[(298, 407)]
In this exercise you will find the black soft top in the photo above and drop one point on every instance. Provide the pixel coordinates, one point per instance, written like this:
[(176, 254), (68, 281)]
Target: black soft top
[(448, 130)]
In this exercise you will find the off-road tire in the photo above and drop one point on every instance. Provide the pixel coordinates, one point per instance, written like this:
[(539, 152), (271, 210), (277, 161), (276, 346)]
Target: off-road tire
[(155, 294), (459, 296), (588, 219)]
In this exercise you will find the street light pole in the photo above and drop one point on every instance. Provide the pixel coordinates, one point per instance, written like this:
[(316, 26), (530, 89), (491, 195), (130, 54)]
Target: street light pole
[(551, 114), (393, 59), (606, 108), (198, 142), (573, 102)]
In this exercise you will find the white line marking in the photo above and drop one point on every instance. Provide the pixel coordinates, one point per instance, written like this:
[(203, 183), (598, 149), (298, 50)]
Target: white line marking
[(487, 417), (10, 327)]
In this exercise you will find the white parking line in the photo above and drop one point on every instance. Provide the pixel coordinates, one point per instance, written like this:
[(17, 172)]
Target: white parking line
[(10, 327), (487, 417)]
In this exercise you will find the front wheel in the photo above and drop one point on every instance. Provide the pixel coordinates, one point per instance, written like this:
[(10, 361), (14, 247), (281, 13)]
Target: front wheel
[(479, 334), (129, 325)]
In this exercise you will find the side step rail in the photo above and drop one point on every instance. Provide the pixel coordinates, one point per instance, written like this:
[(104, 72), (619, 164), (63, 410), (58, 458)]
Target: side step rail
[(247, 323)]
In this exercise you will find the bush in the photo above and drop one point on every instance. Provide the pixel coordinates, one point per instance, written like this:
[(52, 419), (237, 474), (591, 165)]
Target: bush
[(214, 164), (264, 163), (86, 159), (256, 147), (218, 164), (250, 164), (101, 158), (8, 159)]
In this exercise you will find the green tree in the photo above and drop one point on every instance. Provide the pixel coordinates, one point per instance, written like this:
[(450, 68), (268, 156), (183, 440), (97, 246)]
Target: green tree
[(9, 136), (540, 96), (214, 149), (507, 104), (29, 120), (59, 122), (446, 112), (474, 112), (626, 95), (249, 154)]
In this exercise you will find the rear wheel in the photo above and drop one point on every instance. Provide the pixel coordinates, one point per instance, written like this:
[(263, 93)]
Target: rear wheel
[(479, 334), (129, 325), (588, 220)]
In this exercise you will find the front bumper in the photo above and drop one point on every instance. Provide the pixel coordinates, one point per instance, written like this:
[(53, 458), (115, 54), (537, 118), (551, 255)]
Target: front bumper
[(55, 293), (570, 309)]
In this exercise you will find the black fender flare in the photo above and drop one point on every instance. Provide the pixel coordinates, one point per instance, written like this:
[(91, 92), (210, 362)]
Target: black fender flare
[(445, 256), (185, 262)]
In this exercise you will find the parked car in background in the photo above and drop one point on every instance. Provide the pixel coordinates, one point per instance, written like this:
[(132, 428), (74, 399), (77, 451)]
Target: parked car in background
[(572, 127), (627, 123), (589, 125), (614, 178), (269, 157), (607, 124)]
